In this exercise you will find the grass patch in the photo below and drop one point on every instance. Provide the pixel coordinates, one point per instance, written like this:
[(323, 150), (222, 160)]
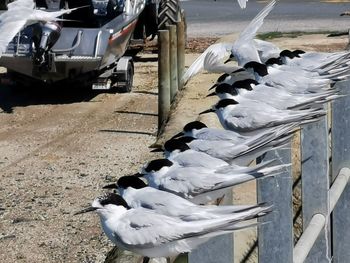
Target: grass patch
[(293, 34)]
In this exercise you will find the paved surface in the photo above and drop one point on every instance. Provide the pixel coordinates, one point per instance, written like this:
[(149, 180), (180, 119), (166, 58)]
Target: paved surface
[(212, 18)]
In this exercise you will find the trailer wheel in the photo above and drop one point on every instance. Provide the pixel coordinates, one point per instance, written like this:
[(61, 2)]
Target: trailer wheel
[(129, 79), (168, 13), (3, 4)]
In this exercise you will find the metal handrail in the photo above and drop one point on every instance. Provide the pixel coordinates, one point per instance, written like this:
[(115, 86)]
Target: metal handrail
[(318, 221)]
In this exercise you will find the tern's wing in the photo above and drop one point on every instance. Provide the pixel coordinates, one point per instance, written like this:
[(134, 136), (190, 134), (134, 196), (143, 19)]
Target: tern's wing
[(244, 48), (218, 51), (248, 34), (141, 229), (213, 63), (213, 134), (8, 32), (19, 4), (266, 49), (242, 3)]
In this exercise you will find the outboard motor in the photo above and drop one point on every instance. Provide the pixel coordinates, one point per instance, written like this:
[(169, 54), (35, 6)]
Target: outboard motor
[(45, 35)]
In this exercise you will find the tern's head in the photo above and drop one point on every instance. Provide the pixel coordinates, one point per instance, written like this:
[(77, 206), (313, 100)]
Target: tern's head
[(222, 78), (175, 145), (158, 166), (107, 205), (231, 58), (274, 61), (224, 89), (298, 52), (186, 139), (221, 105), (194, 125), (189, 127), (287, 54), (130, 181), (257, 67), (245, 84)]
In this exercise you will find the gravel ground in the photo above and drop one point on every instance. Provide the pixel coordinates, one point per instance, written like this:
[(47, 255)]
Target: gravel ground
[(58, 147)]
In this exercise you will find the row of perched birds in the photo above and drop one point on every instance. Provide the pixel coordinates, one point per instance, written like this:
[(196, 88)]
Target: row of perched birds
[(262, 101)]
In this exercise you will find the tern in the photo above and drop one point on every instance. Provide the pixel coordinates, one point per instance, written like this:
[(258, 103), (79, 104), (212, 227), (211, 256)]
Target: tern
[(236, 155), (155, 235), (138, 194), (244, 49), (199, 130), (292, 82), (20, 14), (250, 118), (278, 98), (200, 184)]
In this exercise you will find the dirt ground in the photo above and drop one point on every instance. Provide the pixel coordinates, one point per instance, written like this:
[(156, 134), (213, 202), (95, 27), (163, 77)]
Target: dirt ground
[(58, 147)]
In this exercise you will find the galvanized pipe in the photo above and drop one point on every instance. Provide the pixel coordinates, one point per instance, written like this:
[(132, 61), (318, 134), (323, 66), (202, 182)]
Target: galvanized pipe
[(173, 61), (318, 221), (181, 43), (338, 187), (308, 238), (163, 77)]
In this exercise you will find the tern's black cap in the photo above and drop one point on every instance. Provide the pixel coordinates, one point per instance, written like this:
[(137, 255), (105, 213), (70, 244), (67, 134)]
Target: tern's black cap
[(287, 53), (226, 88), (194, 125), (131, 181), (298, 52), (186, 139), (245, 84), (259, 68), (175, 144), (222, 77), (225, 102), (274, 61), (158, 164), (114, 199)]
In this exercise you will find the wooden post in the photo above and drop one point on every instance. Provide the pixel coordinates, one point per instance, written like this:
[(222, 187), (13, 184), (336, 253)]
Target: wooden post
[(180, 52), (173, 61), (163, 77)]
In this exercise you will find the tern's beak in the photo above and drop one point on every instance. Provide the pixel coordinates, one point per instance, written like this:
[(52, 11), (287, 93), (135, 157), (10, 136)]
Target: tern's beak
[(207, 111), (86, 210), (110, 186), (239, 70), (157, 150), (213, 87), (177, 135), (211, 94), (138, 175)]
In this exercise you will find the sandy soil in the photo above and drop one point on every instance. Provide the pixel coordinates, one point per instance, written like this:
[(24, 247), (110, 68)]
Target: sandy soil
[(58, 147)]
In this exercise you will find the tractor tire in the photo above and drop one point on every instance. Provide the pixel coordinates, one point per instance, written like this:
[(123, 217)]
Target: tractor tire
[(3, 4), (168, 13)]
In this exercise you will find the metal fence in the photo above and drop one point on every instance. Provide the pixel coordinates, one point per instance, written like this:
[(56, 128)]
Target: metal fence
[(325, 197)]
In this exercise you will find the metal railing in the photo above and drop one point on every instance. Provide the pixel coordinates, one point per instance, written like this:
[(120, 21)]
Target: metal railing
[(325, 198)]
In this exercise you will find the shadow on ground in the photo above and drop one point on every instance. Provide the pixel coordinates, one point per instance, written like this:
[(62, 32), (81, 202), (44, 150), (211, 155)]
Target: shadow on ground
[(19, 96)]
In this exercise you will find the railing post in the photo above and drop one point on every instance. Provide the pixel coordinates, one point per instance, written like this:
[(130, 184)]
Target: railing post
[(315, 184), (275, 235), (340, 159), (180, 51), (218, 249), (163, 77), (173, 61)]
